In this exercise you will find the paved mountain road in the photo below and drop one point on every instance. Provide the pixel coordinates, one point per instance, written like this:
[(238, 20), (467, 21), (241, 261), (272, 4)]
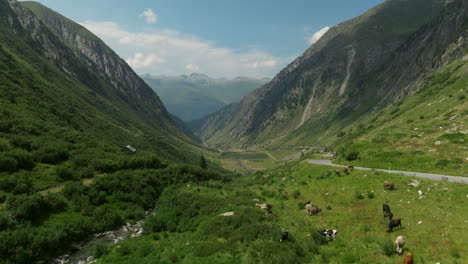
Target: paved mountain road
[(436, 177)]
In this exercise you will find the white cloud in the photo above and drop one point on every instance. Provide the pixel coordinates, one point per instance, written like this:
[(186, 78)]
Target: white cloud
[(192, 67), (140, 60), (317, 35), (150, 16), (178, 53)]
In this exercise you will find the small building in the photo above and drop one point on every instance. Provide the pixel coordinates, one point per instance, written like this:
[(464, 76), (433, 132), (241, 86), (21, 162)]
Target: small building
[(129, 150)]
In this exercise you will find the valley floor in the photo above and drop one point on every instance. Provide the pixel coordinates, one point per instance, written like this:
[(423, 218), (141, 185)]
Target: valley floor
[(188, 228)]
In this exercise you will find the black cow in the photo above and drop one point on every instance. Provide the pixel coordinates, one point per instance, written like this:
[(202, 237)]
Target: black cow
[(284, 236), (386, 210)]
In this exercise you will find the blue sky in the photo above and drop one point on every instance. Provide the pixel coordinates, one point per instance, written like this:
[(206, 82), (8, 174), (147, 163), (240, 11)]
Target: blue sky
[(221, 38)]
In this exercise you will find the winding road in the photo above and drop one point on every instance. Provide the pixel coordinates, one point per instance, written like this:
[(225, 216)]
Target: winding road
[(431, 176)]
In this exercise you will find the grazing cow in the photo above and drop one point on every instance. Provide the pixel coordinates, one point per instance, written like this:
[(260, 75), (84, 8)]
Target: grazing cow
[(399, 243), (386, 209), (266, 207), (388, 185), (388, 215), (394, 223), (328, 233), (284, 236), (408, 259), (345, 171), (337, 173), (313, 210)]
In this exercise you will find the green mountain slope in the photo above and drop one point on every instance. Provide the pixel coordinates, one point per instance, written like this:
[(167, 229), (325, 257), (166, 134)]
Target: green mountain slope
[(195, 96), (424, 132), (68, 104), (354, 70)]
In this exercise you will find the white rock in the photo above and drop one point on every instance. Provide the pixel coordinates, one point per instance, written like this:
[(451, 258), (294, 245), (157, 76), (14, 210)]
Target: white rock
[(228, 214), (89, 259), (420, 222), (437, 143), (416, 129), (420, 193), (414, 183)]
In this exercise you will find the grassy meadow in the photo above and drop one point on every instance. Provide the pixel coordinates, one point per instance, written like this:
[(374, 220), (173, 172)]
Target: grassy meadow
[(426, 132), (187, 228)]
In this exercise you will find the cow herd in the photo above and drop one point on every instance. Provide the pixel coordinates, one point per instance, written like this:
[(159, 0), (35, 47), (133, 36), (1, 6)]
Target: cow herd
[(331, 233)]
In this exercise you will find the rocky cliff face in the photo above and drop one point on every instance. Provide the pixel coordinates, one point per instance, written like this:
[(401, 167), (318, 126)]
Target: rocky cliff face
[(88, 59), (359, 66), (112, 101)]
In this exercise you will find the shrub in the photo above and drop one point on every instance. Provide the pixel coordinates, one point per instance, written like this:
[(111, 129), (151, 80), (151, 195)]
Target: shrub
[(22, 142), (52, 154), (324, 175), (100, 250), (74, 189), (328, 207), (86, 173), (107, 218), (461, 97), (7, 164), (352, 155), (370, 195), (23, 158), (359, 195), (64, 174), (387, 247), (296, 194), (25, 207), (442, 163)]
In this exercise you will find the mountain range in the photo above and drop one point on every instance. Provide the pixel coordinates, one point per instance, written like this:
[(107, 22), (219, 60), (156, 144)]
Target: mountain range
[(357, 69), (197, 95)]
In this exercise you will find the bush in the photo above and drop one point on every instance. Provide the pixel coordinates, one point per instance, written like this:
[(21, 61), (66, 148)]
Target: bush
[(442, 163), (296, 194), (107, 218), (351, 155), (387, 247), (7, 164), (324, 175), (64, 174), (370, 195), (25, 207), (24, 159), (86, 173), (100, 250), (52, 154), (32, 207), (359, 195)]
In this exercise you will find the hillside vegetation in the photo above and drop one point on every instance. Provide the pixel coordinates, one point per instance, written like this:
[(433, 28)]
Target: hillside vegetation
[(64, 121), (425, 132)]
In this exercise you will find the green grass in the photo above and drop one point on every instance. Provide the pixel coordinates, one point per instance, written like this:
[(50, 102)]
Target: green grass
[(197, 235), (406, 139)]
